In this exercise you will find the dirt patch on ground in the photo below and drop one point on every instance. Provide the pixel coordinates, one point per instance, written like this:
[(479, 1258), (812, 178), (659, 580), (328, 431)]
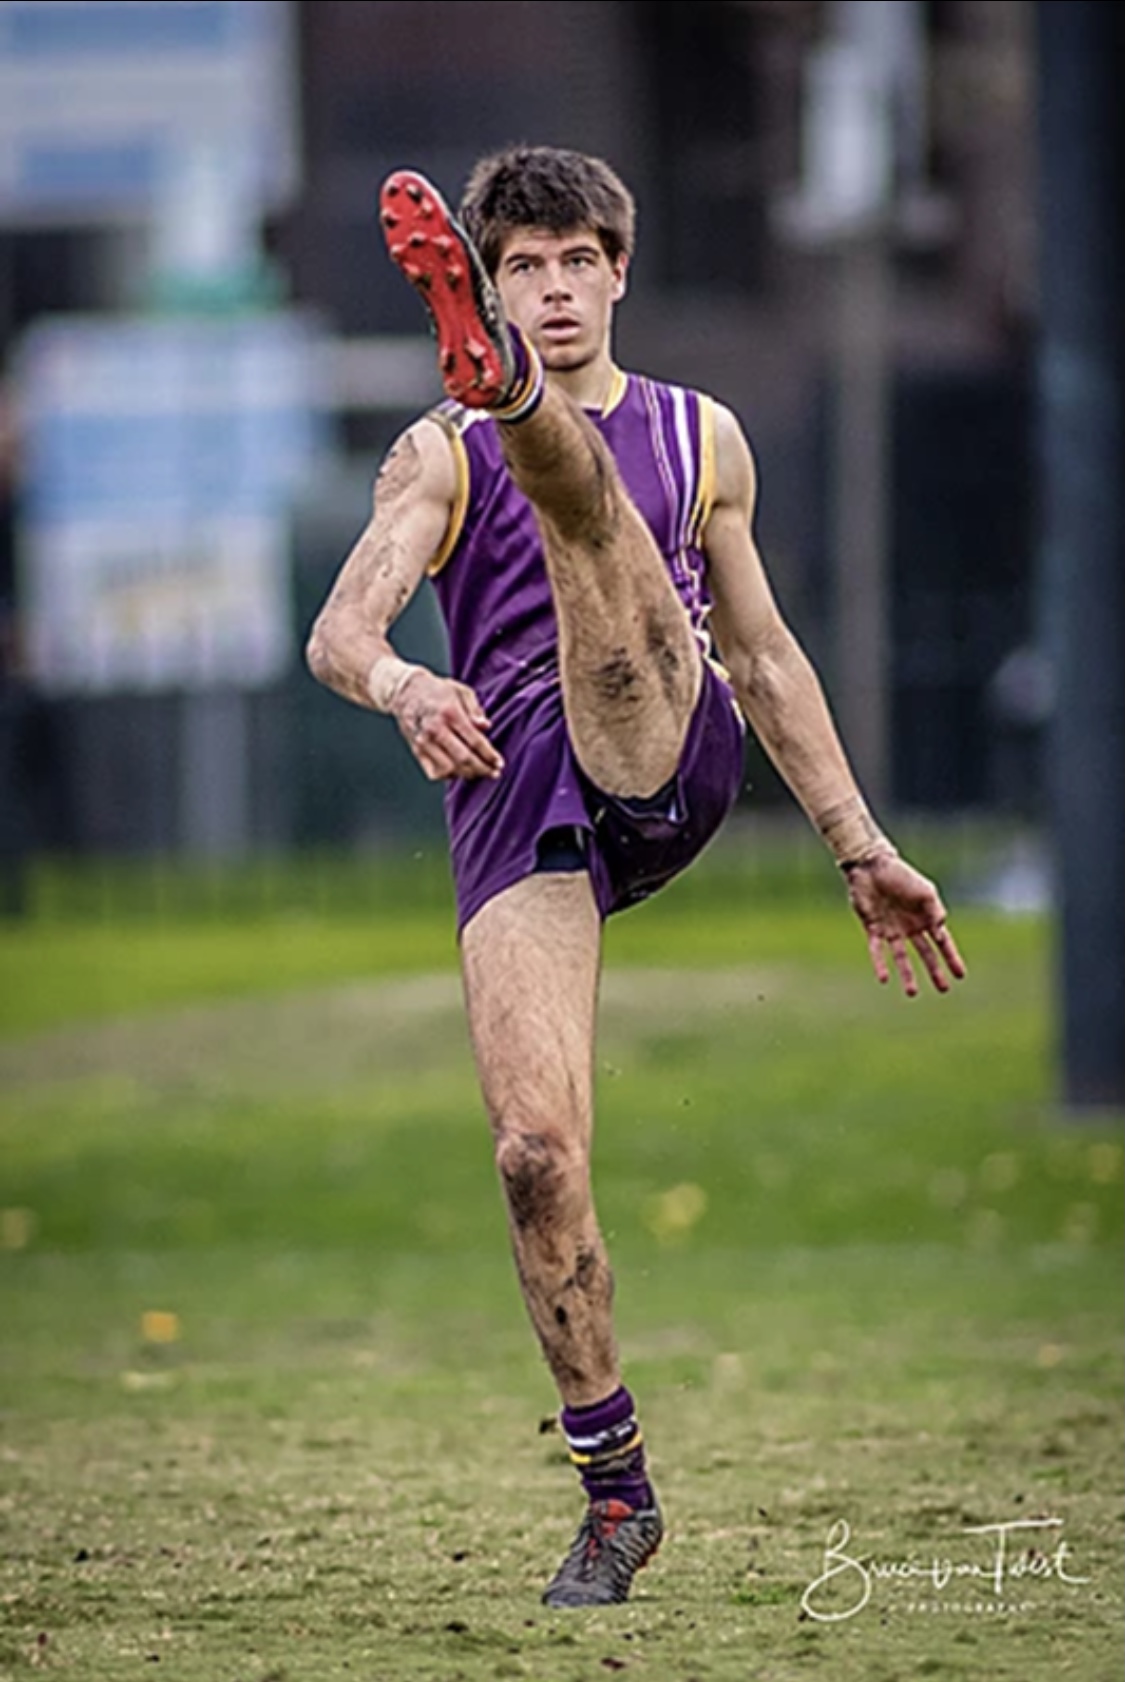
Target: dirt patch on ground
[(354, 1030)]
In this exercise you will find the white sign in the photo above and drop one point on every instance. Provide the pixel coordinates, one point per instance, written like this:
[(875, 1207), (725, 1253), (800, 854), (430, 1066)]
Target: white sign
[(100, 98), (162, 457)]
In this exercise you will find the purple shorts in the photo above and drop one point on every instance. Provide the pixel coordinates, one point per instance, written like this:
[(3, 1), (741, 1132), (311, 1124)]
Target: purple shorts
[(495, 828)]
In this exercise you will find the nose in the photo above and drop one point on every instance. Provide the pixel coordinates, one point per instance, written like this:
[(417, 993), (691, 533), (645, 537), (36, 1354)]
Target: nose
[(556, 282)]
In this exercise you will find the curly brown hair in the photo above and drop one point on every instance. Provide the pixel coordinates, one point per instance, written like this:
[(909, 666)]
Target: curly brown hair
[(546, 187)]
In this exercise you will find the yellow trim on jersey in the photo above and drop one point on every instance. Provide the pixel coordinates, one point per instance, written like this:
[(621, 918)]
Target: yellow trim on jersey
[(460, 496), (701, 513), (705, 487), (618, 386)]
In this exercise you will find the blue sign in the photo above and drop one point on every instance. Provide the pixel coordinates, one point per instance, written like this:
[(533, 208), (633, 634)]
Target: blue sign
[(99, 98), (162, 459)]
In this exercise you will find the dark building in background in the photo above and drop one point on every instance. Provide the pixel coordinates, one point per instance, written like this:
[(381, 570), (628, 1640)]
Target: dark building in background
[(699, 105)]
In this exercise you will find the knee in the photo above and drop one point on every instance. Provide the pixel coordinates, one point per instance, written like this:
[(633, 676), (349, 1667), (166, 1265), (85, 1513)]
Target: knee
[(542, 1174)]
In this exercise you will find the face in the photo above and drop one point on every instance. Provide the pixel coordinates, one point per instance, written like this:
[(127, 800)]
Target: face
[(561, 289)]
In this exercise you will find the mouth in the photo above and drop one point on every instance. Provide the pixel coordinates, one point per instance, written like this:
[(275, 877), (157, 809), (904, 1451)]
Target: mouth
[(560, 327)]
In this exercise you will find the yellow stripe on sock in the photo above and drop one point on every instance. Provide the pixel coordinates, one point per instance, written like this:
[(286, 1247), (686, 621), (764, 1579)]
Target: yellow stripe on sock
[(609, 1454), (528, 394)]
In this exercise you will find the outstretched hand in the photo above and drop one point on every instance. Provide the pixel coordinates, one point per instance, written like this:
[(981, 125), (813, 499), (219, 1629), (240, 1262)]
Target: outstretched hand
[(897, 904)]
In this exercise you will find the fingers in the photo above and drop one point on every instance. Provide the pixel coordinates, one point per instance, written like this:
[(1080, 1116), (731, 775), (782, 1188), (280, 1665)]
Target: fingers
[(947, 946), (446, 732), (899, 909), (472, 753), (929, 956), (903, 966), (936, 949), (878, 962), (878, 940), (457, 750)]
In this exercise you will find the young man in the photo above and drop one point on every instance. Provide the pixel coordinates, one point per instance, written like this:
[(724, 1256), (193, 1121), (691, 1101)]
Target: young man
[(588, 533)]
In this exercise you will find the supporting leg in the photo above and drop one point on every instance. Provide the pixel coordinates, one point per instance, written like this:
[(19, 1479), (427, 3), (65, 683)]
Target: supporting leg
[(530, 960), (631, 667)]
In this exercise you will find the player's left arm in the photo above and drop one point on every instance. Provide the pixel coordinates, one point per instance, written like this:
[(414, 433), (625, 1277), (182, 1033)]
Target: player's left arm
[(782, 698)]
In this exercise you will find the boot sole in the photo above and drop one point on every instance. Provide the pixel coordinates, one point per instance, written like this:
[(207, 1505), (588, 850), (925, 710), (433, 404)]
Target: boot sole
[(435, 255)]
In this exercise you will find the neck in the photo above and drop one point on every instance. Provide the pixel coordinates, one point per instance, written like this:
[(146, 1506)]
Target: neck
[(590, 385)]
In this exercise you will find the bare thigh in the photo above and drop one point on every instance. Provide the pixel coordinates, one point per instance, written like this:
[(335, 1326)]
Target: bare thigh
[(530, 960)]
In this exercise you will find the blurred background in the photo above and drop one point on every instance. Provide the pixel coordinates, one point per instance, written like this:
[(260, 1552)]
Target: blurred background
[(887, 233)]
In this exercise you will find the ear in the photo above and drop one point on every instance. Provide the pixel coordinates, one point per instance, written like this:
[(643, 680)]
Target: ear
[(620, 276)]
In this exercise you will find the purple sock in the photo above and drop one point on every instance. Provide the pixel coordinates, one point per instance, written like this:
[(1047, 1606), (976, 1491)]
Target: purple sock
[(607, 1448), (525, 393), (521, 353)]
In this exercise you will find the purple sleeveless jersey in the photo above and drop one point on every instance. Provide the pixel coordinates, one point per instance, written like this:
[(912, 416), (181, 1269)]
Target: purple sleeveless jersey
[(492, 586)]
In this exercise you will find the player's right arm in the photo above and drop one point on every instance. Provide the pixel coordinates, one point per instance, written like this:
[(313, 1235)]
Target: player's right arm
[(349, 648)]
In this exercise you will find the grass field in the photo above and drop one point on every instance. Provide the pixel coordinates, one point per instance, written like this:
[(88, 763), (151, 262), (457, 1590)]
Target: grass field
[(269, 1409)]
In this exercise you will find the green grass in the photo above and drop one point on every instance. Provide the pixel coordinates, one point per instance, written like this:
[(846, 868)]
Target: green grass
[(865, 1272)]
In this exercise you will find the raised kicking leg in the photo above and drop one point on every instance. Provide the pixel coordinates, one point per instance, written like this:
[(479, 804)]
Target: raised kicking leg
[(630, 664), (530, 961)]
